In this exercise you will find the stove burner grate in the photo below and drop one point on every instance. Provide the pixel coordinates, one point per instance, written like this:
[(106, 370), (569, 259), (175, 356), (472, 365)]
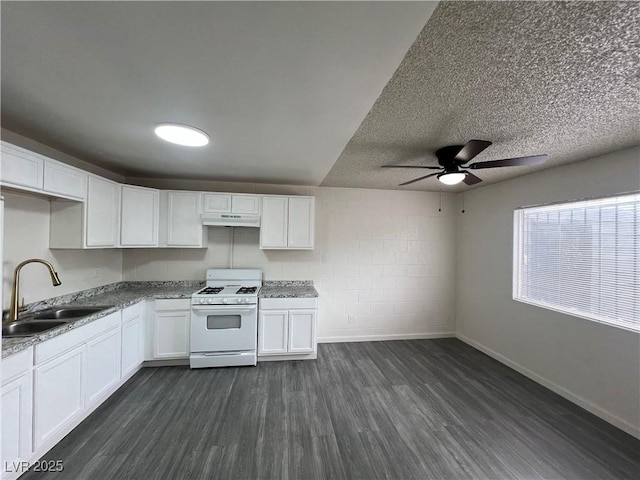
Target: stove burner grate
[(246, 290), (210, 290)]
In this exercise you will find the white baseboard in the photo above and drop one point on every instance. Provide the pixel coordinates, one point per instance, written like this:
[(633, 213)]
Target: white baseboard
[(379, 338), (563, 392)]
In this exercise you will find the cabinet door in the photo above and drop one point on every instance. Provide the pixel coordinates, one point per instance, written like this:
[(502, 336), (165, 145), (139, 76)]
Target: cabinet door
[(139, 217), (102, 212), (217, 203), (273, 226), (184, 224), (103, 365), (17, 403), (302, 331), (301, 222), (58, 394), (273, 332), (245, 204), (132, 345), (171, 334), (21, 167), (64, 180)]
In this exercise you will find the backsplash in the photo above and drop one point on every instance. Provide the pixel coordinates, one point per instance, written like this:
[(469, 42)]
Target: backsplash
[(90, 292), (26, 235)]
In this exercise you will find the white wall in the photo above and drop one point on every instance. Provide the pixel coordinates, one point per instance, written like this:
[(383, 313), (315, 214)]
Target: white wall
[(26, 235), (383, 263), (595, 365)]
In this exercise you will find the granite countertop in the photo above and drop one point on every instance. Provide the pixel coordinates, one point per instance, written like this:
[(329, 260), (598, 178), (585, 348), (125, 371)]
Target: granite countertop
[(117, 296), (287, 289), (123, 294)]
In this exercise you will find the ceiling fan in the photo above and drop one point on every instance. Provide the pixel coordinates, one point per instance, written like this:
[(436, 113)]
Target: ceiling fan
[(453, 158)]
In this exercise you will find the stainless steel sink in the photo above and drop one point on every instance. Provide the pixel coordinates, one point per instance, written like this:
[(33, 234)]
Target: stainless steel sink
[(66, 313), (24, 328)]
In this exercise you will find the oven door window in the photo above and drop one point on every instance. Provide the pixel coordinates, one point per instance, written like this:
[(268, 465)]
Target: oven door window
[(223, 322)]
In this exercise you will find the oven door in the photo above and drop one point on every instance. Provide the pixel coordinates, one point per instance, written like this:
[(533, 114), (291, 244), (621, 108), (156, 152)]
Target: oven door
[(224, 328)]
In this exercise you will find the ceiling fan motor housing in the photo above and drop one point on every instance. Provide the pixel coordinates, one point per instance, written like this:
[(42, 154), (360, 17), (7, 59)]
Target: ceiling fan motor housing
[(446, 157)]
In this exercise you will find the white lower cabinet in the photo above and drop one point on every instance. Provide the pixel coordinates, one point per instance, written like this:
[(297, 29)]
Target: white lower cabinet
[(302, 331), (73, 373), (58, 394), (17, 413), (170, 327), (287, 327), (103, 365), (132, 339), (273, 332)]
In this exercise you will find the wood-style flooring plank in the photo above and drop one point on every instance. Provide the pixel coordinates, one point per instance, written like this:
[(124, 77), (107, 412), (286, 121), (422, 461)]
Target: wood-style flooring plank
[(419, 409)]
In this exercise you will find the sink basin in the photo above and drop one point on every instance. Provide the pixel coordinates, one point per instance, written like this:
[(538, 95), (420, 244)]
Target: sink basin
[(66, 313), (24, 328)]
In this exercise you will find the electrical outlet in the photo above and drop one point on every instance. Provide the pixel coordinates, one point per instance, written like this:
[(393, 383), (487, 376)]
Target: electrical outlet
[(97, 272), (351, 319)]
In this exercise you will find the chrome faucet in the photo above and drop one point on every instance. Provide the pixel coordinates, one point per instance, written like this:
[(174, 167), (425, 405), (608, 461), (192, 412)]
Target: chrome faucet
[(15, 289)]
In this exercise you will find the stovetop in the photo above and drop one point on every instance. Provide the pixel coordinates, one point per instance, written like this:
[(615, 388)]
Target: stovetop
[(228, 290)]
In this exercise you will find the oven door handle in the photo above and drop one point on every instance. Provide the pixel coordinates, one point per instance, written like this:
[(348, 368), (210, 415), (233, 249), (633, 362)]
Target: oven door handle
[(222, 308)]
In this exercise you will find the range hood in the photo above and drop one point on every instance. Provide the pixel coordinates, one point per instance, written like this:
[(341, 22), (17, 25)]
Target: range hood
[(231, 220)]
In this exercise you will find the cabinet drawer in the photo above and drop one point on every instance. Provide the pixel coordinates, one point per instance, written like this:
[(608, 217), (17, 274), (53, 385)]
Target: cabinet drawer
[(132, 312), (173, 304), (60, 344), (288, 303), (17, 364)]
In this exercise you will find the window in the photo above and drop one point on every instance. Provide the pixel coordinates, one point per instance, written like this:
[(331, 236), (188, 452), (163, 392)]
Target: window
[(581, 258)]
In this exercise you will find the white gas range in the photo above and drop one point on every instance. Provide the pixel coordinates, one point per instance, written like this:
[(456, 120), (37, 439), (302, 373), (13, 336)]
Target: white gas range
[(224, 319)]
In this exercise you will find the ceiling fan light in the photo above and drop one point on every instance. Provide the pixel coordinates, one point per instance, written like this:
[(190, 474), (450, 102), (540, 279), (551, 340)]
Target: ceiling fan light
[(182, 134), (451, 178)]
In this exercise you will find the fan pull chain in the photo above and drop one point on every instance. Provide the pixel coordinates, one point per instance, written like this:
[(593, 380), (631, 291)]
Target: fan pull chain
[(440, 201), (462, 202)]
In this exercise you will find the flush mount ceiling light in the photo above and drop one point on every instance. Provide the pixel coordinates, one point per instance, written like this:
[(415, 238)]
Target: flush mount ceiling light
[(182, 134), (451, 178)]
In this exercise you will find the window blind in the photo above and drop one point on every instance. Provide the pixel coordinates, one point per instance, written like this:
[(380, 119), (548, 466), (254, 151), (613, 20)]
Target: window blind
[(581, 258)]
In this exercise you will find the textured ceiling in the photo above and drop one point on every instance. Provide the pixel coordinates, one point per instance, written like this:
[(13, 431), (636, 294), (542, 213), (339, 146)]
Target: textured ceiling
[(281, 87), (561, 78)]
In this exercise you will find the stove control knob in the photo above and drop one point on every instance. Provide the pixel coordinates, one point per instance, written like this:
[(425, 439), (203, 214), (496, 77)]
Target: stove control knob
[(201, 300), (225, 300), (209, 300), (246, 300)]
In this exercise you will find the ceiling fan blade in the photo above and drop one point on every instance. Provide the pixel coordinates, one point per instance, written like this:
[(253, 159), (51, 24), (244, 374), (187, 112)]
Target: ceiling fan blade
[(471, 179), (412, 166), (418, 179), (510, 162), (470, 150)]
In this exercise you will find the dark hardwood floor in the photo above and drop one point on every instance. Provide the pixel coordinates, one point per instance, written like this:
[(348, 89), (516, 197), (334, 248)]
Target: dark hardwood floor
[(400, 410)]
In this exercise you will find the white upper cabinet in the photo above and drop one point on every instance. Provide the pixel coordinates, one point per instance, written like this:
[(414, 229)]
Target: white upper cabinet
[(249, 204), (287, 222), (92, 224), (231, 203), (21, 167), (217, 203), (273, 225), (102, 212), (301, 222), (181, 222), (31, 171), (139, 217), (64, 181)]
